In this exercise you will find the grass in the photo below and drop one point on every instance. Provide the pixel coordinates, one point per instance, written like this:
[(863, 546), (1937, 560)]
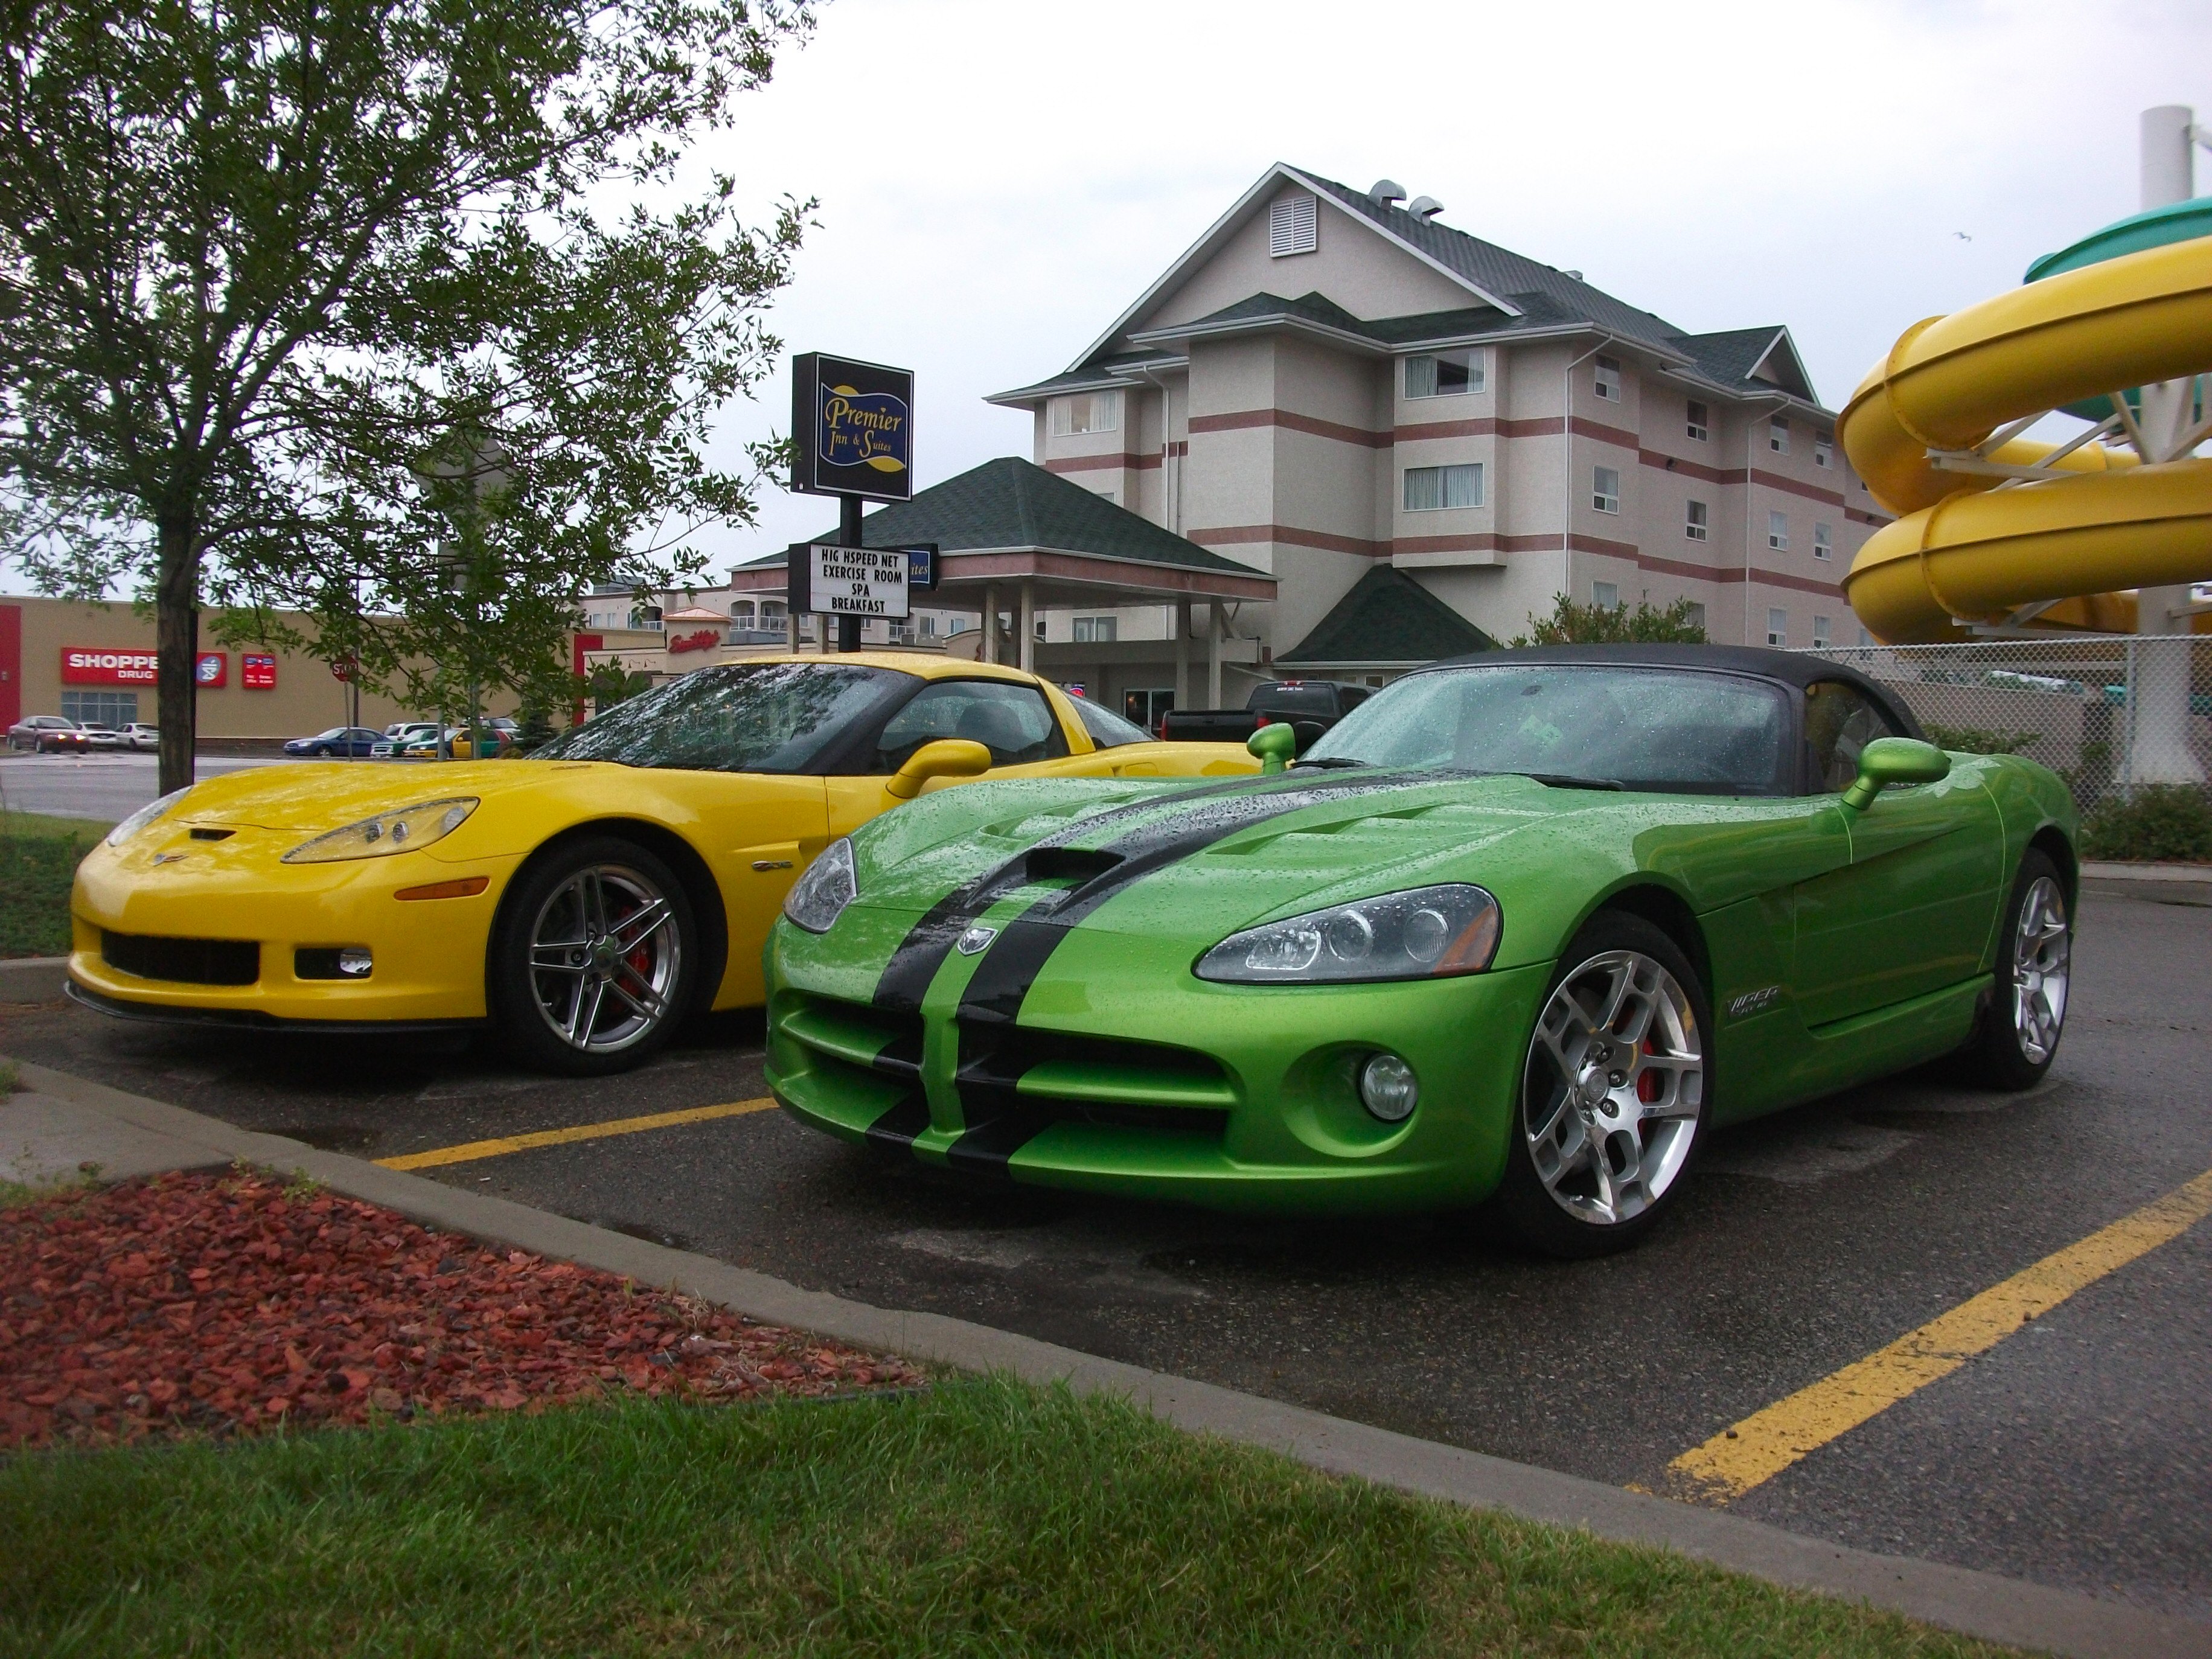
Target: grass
[(982, 1517), (39, 858)]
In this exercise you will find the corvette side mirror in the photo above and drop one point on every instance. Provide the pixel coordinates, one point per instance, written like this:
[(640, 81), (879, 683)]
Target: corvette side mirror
[(1273, 744), (947, 757), (1888, 761)]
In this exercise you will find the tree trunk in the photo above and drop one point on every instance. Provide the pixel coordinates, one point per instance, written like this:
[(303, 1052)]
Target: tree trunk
[(176, 642)]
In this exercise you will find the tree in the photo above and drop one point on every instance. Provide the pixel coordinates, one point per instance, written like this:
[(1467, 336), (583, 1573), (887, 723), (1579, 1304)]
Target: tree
[(276, 275), (1611, 624)]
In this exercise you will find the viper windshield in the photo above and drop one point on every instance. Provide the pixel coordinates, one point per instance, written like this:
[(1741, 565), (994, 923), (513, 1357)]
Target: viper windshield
[(1572, 723), (743, 717)]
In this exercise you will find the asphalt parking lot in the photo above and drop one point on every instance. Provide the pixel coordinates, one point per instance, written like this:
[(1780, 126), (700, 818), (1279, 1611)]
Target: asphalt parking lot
[(107, 788), (2077, 1453)]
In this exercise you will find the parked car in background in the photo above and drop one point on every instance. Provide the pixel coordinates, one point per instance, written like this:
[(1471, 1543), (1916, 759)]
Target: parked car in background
[(139, 736), (90, 737), (397, 735), (491, 743), (339, 743), (1311, 707), (31, 732)]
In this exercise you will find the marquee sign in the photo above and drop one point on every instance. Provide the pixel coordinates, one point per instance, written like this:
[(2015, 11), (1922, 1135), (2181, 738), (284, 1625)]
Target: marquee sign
[(851, 428), (850, 581)]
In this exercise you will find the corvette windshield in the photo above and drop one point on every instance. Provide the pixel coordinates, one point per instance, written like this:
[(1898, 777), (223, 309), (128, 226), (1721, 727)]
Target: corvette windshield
[(745, 717), (1637, 728)]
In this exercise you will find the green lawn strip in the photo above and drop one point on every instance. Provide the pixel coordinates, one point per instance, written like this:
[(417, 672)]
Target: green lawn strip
[(982, 1517), (39, 858)]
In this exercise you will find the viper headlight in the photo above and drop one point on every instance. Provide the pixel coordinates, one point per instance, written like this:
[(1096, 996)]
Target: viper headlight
[(1425, 933), (818, 898), (145, 815), (401, 830)]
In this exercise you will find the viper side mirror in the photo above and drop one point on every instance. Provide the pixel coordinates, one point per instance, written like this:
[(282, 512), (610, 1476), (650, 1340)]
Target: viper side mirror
[(1273, 744), (1889, 761), (947, 757)]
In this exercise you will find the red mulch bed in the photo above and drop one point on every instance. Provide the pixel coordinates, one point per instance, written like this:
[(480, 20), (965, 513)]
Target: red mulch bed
[(217, 1305)]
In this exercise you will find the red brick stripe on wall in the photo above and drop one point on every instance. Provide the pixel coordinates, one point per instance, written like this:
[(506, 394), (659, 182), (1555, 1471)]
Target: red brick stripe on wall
[(1290, 536), (1776, 481), (1244, 419), (1095, 463)]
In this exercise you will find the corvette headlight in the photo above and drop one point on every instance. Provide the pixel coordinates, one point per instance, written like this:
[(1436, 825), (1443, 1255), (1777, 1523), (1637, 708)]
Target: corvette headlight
[(401, 830), (144, 815), (819, 897), (1426, 933)]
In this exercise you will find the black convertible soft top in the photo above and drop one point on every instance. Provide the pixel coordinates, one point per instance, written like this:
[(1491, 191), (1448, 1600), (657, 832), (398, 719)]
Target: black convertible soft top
[(1791, 668)]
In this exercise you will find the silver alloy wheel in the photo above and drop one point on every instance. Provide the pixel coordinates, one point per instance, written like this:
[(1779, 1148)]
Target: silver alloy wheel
[(604, 954), (1610, 1096), (2042, 946)]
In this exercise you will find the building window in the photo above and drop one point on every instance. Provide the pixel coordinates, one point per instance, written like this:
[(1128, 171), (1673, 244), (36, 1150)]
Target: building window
[(929, 628), (1431, 488), (1604, 489), (1094, 630), (1699, 524), (1824, 451), (1293, 225), (1824, 545), (1608, 379), (1605, 596), (116, 709), (1087, 411), (1113, 496), (1778, 532), (1778, 435), (1697, 616), (1777, 627), (771, 613), (1444, 374), (1700, 423), (1819, 633)]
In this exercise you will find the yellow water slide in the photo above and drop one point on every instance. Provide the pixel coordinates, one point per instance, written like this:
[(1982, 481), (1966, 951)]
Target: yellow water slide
[(1994, 528)]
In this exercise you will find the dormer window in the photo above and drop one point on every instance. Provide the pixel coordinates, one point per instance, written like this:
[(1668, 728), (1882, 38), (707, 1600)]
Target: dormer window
[(1444, 374), (1609, 379), (1087, 411), (1293, 225)]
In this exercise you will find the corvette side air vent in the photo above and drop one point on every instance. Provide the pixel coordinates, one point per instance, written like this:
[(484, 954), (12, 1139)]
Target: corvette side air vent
[(1068, 863)]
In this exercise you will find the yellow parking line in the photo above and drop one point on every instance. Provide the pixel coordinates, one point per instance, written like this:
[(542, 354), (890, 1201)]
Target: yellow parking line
[(468, 1151), (1769, 1441)]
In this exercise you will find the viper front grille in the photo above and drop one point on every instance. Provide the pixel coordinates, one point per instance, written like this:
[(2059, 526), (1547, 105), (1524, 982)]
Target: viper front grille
[(1008, 1071), (182, 961)]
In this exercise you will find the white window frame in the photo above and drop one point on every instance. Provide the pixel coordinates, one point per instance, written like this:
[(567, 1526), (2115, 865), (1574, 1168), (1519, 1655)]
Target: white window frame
[(1605, 379), (1473, 359), (1083, 630), (1778, 532), (1819, 633), (1824, 451), (1700, 430), (1824, 541), (1443, 481), (1697, 612), (1698, 521), (1778, 434), (1293, 225), (1605, 595), (1777, 626), (1601, 499), (1059, 417)]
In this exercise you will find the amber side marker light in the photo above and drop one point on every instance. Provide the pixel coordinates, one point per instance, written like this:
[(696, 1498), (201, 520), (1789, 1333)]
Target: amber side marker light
[(462, 887)]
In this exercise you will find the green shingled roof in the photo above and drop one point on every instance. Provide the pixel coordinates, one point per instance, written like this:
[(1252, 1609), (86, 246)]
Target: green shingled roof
[(1010, 503), (1387, 618)]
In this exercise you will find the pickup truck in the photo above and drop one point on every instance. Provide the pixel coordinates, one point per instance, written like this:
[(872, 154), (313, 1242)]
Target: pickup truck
[(1311, 707)]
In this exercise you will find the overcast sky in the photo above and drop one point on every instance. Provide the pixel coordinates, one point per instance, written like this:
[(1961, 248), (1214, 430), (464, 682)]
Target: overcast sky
[(998, 179)]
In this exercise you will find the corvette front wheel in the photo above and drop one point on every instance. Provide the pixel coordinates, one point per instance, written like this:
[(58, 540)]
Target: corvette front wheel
[(592, 964), (1613, 1093)]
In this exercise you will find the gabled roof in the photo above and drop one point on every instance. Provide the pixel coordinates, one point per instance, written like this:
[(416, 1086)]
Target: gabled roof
[(1010, 503), (1510, 295), (1386, 620)]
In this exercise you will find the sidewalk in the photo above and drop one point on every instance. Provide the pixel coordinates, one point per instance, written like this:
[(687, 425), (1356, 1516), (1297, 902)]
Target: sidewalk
[(65, 1123)]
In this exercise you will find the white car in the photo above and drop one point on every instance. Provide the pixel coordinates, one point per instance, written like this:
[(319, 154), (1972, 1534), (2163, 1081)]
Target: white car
[(398, 735), (140, 736)]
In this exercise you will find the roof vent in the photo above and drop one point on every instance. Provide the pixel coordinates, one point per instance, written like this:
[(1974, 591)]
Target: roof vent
[(1293, 225), (1424, 207), (1383, 192), (1572, 276)]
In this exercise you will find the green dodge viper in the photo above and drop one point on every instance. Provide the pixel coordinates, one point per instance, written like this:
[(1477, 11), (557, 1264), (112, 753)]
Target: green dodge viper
[(1519, 932)]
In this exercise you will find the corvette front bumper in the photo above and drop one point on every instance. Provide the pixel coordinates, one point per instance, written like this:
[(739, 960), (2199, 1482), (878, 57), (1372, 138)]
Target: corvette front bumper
[(1125, 1078)]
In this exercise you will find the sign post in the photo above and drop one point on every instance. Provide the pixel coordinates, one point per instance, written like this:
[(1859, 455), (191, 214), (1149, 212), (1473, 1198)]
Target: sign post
[(851, 428)]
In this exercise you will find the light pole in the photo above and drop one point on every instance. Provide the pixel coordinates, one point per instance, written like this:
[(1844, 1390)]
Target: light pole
[(479, 465)]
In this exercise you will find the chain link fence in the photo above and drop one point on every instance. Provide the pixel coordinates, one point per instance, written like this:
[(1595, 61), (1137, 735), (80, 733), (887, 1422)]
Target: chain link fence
[(2107, 713)]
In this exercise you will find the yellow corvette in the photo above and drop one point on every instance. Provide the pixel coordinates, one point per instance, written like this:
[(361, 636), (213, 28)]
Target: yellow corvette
[(583, 899)]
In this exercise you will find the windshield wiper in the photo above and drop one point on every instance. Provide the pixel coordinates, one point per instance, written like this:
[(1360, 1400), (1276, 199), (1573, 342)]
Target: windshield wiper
[(1564, 780), (1327, 760)]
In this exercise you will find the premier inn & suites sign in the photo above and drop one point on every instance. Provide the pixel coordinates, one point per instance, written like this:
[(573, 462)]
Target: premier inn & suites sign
[(853, 427)]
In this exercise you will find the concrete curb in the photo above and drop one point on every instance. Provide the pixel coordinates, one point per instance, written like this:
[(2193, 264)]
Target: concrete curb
[(1977, 1604), (2189, 872), (33, 979)]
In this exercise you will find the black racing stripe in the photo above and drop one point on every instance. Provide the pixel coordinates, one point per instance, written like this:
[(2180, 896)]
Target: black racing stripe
[(1011, 966), (907, 976), (894, 1131)]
